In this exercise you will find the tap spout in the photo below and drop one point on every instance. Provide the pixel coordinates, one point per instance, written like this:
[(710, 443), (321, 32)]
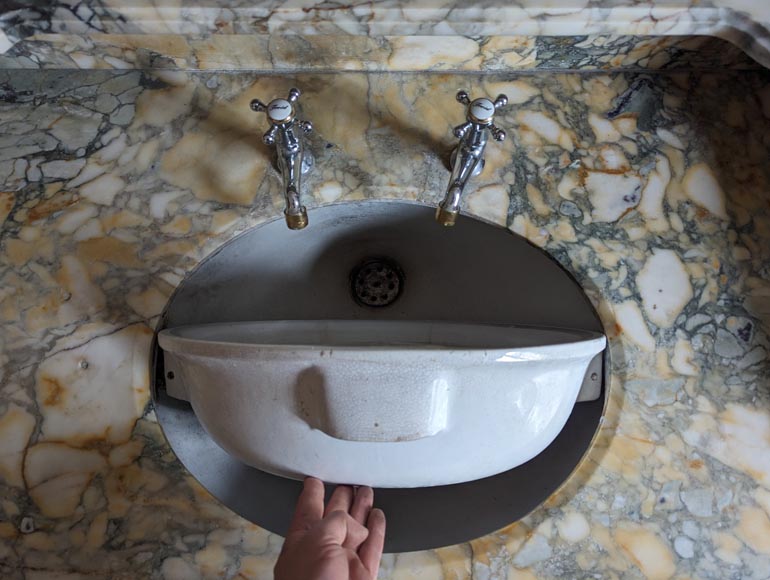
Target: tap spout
[(290, 158), (467, 158)]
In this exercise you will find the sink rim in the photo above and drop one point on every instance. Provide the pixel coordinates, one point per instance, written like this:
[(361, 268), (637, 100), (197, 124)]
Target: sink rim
[(178, 339)]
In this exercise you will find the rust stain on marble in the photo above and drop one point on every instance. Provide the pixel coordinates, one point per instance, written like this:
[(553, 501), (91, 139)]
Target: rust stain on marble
[(46, 208), (20, 252), (108, 250), (52, 391), (7, 200)]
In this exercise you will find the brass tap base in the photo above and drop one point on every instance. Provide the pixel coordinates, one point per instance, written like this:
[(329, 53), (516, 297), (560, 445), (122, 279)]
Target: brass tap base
[(296, 221), (446, 218)]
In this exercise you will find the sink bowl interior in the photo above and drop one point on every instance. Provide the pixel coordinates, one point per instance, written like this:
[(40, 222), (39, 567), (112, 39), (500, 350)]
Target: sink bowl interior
[(475, 273)]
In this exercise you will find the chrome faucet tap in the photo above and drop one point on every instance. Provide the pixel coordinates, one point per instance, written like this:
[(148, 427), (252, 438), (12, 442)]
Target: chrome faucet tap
[(293, 160), (468, 157)]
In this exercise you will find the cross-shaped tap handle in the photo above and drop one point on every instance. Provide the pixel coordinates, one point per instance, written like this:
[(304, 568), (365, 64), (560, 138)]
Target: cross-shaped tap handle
[(280, 113), (482, 112)]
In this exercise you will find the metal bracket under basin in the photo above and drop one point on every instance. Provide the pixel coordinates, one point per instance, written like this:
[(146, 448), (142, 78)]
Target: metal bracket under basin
[(173, 377), (591, 389)]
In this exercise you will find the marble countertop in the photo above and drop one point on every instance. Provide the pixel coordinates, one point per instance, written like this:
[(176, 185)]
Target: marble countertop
[(644, 172), (652, 189)]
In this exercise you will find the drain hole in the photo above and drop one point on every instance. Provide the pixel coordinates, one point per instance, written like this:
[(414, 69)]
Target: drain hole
[(376, 282)]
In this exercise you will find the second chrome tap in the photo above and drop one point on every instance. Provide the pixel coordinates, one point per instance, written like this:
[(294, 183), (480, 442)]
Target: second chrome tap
[(468, 157)]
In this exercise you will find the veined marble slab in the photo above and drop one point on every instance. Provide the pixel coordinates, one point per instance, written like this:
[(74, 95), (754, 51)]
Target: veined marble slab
[(652, 189), (294, 53), (742, 22)]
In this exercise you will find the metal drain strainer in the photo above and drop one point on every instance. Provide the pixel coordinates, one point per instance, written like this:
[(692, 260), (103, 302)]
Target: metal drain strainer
[(376, 282)]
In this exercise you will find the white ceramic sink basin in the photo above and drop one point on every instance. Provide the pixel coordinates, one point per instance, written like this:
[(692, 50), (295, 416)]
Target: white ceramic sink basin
[(380, 403)]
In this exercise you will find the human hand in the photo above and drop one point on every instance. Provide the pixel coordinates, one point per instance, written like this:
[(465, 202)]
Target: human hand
[(341, 542)]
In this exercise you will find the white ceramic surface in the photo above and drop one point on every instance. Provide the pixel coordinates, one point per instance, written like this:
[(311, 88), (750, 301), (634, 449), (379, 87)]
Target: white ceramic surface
[(387, 404)]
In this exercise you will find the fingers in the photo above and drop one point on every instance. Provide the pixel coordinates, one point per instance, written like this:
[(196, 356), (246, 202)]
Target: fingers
[(340, 529), (348, 521), (310, 506), (358, 504), (341, 500), (362, 504), (370, 551)]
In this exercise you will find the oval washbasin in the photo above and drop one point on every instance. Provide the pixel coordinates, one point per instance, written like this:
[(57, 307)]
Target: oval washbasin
[(377, 402), (477, 273)]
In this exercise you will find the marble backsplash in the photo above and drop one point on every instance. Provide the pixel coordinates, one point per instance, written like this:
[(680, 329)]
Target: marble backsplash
[(25, 18), (490, 35), (272, 53), (652, 189)]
